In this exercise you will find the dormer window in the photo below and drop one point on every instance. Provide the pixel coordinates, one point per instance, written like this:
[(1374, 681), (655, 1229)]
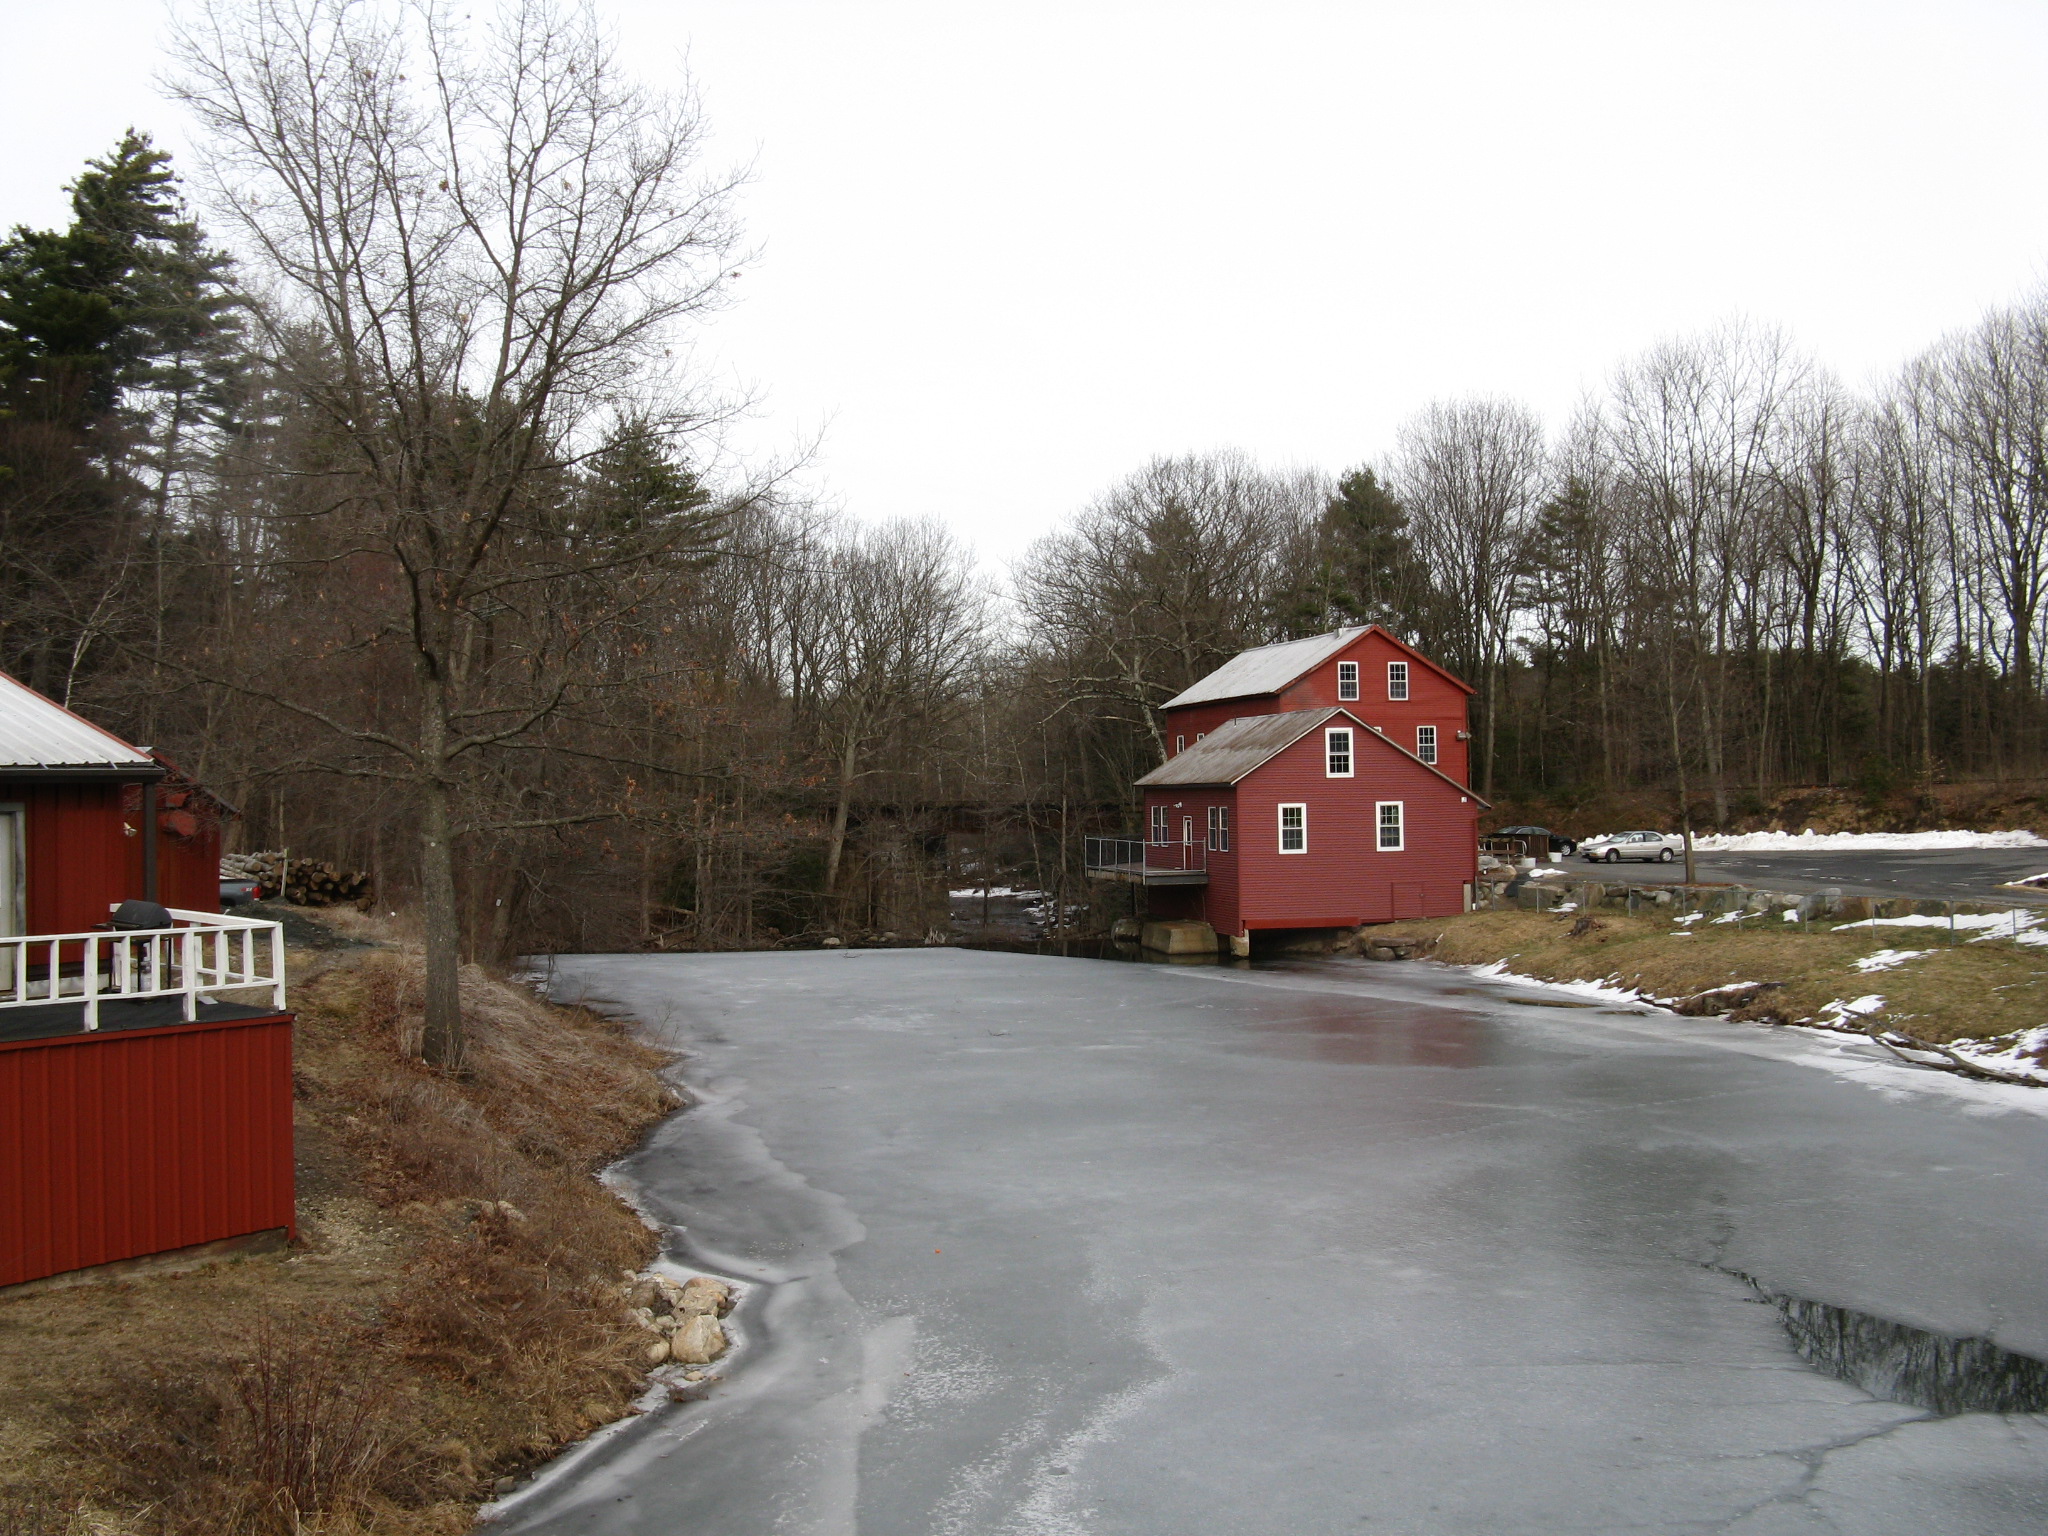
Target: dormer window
[(1337, 753), (1397, 679), (1347, 681)]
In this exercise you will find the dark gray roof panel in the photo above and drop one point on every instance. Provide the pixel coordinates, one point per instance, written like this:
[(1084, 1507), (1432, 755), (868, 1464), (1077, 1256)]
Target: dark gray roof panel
[(1236, 747)]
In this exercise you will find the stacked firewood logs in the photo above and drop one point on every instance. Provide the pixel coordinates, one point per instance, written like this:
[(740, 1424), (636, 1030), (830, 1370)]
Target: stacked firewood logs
[(302, 882)]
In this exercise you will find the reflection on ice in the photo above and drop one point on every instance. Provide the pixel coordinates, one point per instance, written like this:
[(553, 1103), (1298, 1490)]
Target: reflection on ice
[(1935, 1371)]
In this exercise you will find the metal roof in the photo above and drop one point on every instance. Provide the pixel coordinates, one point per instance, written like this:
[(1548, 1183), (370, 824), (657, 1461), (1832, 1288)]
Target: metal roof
[(1265, 668), (1238, 746), (40, 734)]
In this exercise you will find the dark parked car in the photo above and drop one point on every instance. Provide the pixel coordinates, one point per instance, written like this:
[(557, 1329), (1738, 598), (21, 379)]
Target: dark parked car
[(233, 893), (1541, 840)]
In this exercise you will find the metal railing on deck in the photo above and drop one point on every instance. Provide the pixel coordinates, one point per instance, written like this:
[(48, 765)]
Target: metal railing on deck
[(204, 952), (1135, 857)]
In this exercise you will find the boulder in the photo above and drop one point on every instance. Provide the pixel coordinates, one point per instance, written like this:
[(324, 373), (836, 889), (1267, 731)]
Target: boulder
[(1853, 909), (657, 1351), (704, 1296), (1180, 938), (698, 1342)]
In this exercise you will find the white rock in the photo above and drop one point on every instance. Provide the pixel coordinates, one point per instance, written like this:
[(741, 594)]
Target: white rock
[(698, 1342), (704, 1295), (658, 1351)]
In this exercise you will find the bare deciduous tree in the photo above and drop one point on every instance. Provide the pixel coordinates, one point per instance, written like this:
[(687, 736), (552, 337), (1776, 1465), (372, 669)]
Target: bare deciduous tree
[(474, 253)]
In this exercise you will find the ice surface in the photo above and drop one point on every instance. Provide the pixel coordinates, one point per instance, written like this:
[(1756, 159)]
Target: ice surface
[(1047, 1247)]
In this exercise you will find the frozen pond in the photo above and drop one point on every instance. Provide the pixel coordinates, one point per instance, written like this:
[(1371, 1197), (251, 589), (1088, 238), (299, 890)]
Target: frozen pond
[(1060, 1246)]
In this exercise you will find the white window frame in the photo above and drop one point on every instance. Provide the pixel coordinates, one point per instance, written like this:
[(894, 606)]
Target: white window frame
[(1397, 673), (1381, 826), (1160, 818), (1425, 744), (1219, 829), (1347, 682), (1180, 745), (1350, 768), (1301, 827)]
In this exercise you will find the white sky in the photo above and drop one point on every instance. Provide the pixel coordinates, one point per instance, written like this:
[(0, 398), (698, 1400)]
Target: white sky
[(1009, 252)]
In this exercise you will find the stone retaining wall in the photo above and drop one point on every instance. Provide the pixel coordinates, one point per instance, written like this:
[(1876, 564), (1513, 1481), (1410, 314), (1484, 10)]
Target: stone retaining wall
[(1615, 896)]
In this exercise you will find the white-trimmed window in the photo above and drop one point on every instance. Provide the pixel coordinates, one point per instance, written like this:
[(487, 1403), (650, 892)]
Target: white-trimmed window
[(1337, 753), (1397, 679), (1391, 826), (1347, 681), (1180, 745), (1294, 829), (1199, 735), (1159, 824), (1219, 829), (1425, 743)]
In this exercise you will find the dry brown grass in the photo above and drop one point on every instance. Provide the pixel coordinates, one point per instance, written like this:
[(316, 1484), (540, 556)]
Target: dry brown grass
[(1964, 991), (450, 1314)]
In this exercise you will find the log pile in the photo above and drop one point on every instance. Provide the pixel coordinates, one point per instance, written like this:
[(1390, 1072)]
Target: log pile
[(302, 882)]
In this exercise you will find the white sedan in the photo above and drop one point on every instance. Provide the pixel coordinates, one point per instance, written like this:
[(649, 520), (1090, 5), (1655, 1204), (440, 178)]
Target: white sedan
[(1616, 846)]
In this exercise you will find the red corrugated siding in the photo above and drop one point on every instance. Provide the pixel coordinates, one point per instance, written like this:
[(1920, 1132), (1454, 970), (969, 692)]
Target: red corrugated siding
[(82, 859), (1432, 700), (1344, 878), (113, 1146), (78, 853)]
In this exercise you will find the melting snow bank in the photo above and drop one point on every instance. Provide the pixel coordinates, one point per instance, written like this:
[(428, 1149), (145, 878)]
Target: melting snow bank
[(1811, 841), (2008, 1062)]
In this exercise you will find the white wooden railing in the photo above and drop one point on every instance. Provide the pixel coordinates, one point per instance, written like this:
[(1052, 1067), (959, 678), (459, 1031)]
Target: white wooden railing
[(204, 952)]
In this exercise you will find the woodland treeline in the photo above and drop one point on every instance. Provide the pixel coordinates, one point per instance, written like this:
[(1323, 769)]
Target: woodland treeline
[(387, 504)]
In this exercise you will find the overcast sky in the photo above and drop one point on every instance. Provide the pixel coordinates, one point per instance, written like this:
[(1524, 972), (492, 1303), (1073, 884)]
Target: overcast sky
[(1010, 252)]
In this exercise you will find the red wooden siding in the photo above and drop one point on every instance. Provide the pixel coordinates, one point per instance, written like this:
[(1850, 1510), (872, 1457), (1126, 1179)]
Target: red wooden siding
[(1216, 902), (1345, 878), (1433, 699), (121, 1144)]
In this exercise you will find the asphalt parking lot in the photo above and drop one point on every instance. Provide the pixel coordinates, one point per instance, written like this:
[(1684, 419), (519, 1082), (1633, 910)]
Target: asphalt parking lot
[(1947, 874)]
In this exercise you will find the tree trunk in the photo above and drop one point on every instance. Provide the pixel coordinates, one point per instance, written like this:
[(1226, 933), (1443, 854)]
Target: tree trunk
[(442, 1042), (835, 845)]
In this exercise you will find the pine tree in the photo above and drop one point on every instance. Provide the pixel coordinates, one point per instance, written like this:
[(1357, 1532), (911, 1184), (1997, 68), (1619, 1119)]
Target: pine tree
[(118, 343)]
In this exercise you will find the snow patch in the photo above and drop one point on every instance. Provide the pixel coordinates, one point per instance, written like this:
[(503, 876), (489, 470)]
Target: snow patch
[(1853, 1008), (1985, 925), (1851, 842), (1601, 991), (997, 890), (1889, 959)]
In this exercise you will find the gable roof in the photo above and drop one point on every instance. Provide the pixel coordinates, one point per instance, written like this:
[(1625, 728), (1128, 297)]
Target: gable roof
[(39, 735), (1267, 669), (1234, 749)]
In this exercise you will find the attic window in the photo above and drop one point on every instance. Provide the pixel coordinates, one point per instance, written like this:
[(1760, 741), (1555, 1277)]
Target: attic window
[(1397, 679), (1337, 753), (1347, 681)]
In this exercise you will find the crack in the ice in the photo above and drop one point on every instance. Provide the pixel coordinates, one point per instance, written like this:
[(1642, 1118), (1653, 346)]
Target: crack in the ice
[(1813, 1460)]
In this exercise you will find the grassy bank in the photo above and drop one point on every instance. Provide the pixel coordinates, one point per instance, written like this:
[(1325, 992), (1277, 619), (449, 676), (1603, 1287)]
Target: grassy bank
[(451, 1314), (1954, 992)]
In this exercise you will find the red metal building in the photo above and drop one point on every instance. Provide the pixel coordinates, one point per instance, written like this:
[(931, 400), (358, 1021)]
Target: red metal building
[(1318, 783), (145, 1068)]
